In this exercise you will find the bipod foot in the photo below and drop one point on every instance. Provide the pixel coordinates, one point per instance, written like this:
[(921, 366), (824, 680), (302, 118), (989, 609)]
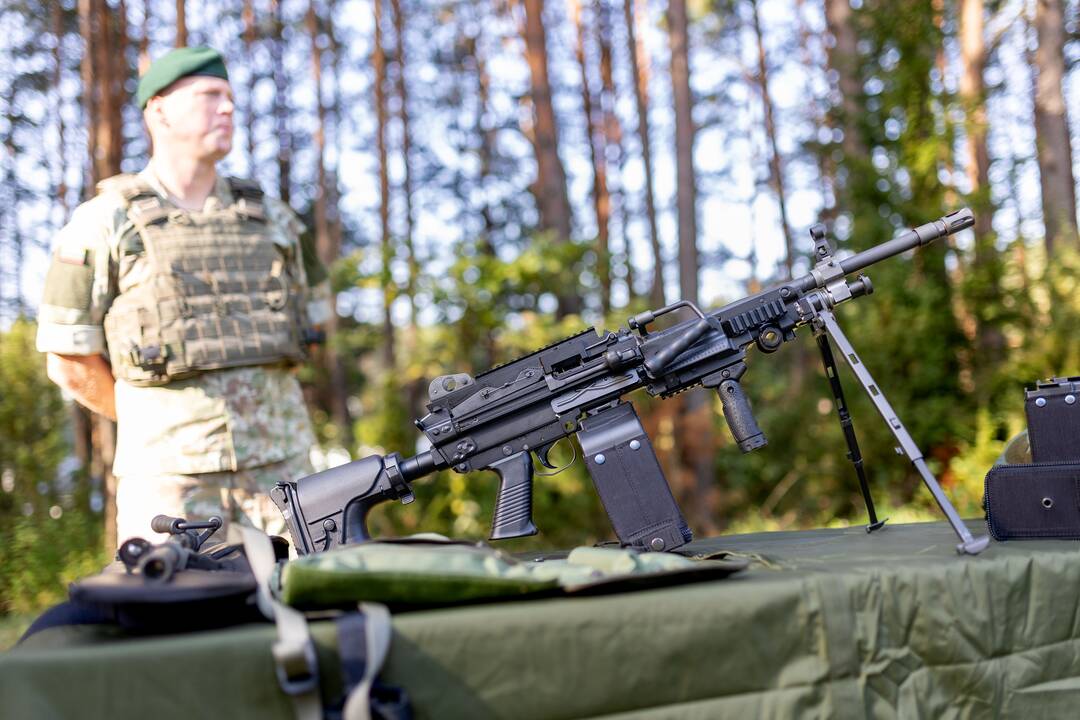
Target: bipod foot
[(876, 525), (974, 546)]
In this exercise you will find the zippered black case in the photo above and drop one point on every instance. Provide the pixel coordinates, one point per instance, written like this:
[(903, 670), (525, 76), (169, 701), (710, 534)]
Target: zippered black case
[(1040, 500)]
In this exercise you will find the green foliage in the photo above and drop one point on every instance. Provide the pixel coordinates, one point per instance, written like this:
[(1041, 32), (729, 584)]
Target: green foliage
[(42, 553), (11, 629)]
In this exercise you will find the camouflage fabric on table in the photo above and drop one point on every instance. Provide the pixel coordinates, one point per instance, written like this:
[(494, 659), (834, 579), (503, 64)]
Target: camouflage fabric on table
[(238, 497)]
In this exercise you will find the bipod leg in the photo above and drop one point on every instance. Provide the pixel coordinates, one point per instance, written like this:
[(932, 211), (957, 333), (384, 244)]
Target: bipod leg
[(854, 455), (968, 544)]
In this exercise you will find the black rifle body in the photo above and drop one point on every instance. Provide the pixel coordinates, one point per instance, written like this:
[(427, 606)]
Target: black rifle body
[(502, 417)]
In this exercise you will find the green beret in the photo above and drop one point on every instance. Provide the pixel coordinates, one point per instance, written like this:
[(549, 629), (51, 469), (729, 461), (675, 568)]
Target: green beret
[(176, 64)]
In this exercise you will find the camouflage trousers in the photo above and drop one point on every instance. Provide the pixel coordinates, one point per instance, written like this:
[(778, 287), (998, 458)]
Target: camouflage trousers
[(241, 497)]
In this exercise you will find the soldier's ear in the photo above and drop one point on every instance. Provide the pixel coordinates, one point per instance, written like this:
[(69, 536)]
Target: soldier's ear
[(154, 114)]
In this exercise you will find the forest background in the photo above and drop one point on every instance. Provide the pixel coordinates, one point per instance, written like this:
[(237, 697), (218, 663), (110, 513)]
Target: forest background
[(483, 177)]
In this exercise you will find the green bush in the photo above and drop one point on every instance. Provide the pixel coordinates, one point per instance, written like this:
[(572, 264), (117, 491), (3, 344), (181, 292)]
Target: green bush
[(48, 533)]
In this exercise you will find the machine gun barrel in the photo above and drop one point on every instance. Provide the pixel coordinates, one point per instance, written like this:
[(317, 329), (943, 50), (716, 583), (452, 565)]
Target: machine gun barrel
[(907, 240)]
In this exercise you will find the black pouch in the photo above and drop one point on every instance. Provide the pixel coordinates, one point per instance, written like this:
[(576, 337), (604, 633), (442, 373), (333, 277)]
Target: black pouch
[(1040, 500)]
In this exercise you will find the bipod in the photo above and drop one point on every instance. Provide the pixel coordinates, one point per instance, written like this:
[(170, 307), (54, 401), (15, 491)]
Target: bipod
[(854, 455), (826, 321)]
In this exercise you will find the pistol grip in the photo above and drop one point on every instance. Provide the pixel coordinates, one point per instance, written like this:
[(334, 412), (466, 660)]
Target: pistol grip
[(740, 418), (513, 505)]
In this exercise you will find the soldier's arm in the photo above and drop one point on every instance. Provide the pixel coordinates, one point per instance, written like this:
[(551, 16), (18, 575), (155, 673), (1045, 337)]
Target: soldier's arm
[(87, 378), (78, 290)]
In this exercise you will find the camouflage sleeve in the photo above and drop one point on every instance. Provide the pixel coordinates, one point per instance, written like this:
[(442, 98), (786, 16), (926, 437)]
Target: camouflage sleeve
[(79, 286), (309, 267)]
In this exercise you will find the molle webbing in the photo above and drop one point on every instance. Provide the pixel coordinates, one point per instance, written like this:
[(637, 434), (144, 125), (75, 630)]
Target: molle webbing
[(206, 290)]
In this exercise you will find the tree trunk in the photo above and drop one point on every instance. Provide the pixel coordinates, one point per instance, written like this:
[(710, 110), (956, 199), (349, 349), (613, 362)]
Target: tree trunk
[(612, 133), (685, 187), (639, 68), (105, 449), (843, 60), (1052, 126), (181, 24), (326, 252), (597, 154), (693, 425), (60, 188), (11, 214), (325, 247), (776, 180), (487, 153), (550, 188), (776, 169), (144, 39), (281, 107), (389, 291), (406, 156), (88, 22), (826, 169), (250, 36), (973, 56), (333, 206), (415, 390), (104, 32)]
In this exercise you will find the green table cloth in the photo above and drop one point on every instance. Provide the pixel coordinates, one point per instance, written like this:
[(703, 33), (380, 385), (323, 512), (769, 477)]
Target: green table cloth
[(824, 623)]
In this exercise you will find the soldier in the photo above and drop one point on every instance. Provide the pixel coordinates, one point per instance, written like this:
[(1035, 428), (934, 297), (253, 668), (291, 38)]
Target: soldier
[(199, 291)]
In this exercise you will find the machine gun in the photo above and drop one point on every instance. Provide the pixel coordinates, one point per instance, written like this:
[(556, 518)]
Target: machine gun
[(499, 419)]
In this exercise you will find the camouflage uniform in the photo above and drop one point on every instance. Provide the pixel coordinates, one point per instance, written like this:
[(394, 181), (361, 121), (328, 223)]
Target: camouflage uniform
[(202, 445)]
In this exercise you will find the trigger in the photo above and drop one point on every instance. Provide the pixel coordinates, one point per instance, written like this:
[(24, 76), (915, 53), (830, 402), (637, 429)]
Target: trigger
[(542, 455)]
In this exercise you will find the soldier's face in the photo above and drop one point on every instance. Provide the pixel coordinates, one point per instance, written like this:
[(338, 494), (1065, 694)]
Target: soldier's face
[(195, 116)]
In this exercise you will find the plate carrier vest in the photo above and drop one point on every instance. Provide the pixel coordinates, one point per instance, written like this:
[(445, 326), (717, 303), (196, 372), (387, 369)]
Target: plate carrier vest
[(200, 290)]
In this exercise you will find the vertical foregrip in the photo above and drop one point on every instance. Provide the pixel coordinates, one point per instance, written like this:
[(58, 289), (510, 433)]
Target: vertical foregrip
[(740, 417), (513, 506)]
